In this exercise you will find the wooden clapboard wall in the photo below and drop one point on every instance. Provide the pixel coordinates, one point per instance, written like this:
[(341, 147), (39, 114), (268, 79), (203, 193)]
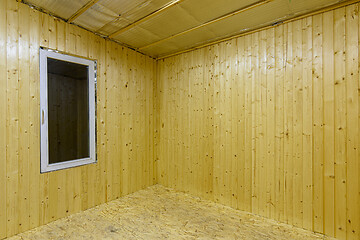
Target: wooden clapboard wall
[(124, 122), (269, 122)]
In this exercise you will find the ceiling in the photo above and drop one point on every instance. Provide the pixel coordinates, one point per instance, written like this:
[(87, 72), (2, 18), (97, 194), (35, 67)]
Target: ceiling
[(162, 27)]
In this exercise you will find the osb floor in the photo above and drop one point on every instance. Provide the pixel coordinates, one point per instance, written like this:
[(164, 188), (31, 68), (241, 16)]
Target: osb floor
[(161, 213)]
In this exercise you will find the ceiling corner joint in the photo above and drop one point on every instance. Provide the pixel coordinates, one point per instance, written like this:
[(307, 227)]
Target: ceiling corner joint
[(82, 10)]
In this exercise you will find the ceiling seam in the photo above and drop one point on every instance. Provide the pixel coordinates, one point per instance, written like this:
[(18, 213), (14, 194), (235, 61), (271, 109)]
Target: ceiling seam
[(252, 6), (82, 10)]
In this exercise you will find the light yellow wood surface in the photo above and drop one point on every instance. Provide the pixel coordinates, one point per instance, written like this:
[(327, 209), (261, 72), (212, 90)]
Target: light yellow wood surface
[(125, 81), (285, 125)]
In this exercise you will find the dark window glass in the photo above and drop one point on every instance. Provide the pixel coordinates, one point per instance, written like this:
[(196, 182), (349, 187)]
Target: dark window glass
[(68, 111)]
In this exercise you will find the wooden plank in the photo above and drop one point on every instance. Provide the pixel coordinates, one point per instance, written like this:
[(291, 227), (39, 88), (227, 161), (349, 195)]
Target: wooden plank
[(111, 122), (116, 106), (121, 115), (234, 124), (24, 105), (12, 133), (187, 129), (227, 123), (318, 127), (217, 160), (329, 137), (279, 122), (352, 113), (179, 126), (201, 130), (210, 121), (102, 117), (125, 128), (249, 82), (142, 112), (153, 115), (153, 125), (181, 115), (156, 130), (198, 97), (340, 123), (297, 124), (192, 116), (256, 108), (166, 172), (307, 123), (241, 123), (252, 163), (156, 123), (262, 117), (3, 119), (178, 153), (222, 108), (288, 124), (176, 129), (148, 124), (132, 128), (161, 124), (270, 123)]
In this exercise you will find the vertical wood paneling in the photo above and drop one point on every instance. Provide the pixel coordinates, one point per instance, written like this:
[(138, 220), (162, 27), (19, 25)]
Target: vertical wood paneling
[(329, 137), (340, 123), (3, 119), (24, 96), (12, 120), (297, 123), (318, 125), (240, 123), (352, 138), (288, 124), (279, 123), (307, 123), (270, 123), (28, 198), (291, 100)]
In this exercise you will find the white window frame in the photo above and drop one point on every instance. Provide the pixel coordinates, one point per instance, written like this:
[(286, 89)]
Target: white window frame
[(45, 165)]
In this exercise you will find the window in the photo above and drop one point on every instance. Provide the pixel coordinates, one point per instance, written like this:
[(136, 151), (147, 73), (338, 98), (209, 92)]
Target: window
[(67, 105)]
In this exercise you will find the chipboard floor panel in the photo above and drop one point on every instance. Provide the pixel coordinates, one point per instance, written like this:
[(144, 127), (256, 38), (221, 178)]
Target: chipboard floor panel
[(162, 213)]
